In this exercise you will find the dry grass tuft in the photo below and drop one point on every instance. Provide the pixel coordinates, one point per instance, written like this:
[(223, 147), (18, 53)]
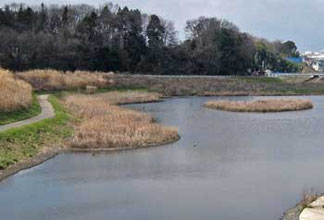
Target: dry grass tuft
[(129, 97), (106, 126), (308, 198), (15, 94), (271, 105), (47, 80)]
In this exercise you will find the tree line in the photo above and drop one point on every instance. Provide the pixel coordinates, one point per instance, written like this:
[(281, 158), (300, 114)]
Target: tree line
[(111, 38)]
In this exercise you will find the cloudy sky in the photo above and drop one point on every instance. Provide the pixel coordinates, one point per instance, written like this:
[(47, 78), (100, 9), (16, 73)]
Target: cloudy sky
[(298, 20)]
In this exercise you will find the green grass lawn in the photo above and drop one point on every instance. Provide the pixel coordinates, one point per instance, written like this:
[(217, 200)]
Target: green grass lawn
[(20, 143), (21, 114)]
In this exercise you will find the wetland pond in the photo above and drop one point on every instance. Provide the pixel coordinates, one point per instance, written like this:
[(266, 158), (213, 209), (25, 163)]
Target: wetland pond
[(245, 166)]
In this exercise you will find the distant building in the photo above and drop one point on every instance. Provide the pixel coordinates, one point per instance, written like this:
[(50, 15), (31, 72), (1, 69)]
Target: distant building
[(314, 60), (318, 65)]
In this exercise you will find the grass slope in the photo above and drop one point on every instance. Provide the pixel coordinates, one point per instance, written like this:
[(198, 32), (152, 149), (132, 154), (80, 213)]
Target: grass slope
[(21, 143), (184, 86)]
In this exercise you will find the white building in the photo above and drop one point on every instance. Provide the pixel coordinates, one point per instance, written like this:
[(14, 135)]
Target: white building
[(318, 65), (315, 60)]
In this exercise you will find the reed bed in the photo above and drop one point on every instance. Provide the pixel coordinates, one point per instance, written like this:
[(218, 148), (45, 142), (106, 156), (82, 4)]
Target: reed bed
[(15, 94), (271, 105), (107, 126), (129, 97), (49, 80)]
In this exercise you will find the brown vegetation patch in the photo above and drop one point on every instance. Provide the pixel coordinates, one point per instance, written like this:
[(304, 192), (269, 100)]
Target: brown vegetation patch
[(104, 125), (47, 80), (271, 105), (219, 85), (129, 97), (14, 93)]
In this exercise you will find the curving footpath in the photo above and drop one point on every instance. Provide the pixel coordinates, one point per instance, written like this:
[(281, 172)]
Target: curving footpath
[(44, 154), (47, 112)]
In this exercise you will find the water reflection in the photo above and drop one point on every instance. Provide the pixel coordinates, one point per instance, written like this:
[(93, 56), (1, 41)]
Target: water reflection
[(226, 166)]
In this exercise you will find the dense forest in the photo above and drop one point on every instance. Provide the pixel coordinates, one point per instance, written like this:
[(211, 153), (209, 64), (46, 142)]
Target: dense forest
[(110, 38)]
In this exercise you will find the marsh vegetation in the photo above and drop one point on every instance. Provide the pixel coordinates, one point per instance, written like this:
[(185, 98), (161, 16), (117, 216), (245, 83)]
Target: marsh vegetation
[(53, 80), (128, 97), (270, 105), (104, 125), (15, 94)]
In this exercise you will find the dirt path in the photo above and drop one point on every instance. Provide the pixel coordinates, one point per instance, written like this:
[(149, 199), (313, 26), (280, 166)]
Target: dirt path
[(47, 112)]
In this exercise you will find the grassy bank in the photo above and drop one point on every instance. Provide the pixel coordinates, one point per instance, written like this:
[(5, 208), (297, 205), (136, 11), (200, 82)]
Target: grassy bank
[(104, 125), (228, 86), (25, 142), (98, 123), (21, 114), (271, 105)]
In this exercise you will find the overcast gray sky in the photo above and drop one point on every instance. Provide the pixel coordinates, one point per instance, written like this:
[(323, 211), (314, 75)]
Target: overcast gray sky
[(298, 20)]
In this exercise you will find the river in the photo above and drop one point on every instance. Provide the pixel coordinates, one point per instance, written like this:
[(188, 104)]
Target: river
[(226, 165)]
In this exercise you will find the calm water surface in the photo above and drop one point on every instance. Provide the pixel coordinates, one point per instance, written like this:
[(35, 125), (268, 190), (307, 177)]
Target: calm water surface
[(226, 166)]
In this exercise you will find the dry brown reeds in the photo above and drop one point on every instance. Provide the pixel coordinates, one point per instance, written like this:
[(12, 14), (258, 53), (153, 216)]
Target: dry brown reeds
[(106, 126), (308, 197), (129, 97), (47, 80), (14, 93), (271, 105)]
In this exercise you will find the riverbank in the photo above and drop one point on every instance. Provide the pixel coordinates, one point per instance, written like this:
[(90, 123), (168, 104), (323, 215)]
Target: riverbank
[(220, 85), (24, 147), (31, 144), (52, 80), (27, 163)]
